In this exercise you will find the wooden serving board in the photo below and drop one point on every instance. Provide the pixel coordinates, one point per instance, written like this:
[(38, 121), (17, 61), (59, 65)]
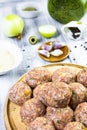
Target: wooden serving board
[(12, 111)]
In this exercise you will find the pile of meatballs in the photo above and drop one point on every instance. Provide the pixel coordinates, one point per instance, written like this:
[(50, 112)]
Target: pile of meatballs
[(52, 101)]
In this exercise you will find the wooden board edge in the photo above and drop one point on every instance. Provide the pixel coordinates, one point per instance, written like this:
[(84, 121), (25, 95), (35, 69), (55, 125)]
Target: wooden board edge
[(64, 64), (6, 119)]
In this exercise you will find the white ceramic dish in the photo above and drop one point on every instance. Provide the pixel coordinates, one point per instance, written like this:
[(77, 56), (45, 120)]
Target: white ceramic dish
[(75, 24), (10, 55), (28, 14)]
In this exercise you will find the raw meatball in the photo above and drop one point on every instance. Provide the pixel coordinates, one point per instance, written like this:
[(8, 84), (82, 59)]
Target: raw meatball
[(82, 77), (38, 76), (55, 94), (30, 110), (41, 123), (75, 126), (41, 92), (20, 92), (64, 75), (60, 116), (79, 94), (81, 113)]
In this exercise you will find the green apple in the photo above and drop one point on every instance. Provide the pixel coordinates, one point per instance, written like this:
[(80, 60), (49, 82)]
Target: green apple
[(47, 31), (12, 25)]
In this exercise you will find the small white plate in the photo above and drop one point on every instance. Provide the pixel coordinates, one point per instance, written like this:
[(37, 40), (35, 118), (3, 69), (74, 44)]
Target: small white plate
[(28, 14), (10, 55), (74, 24)]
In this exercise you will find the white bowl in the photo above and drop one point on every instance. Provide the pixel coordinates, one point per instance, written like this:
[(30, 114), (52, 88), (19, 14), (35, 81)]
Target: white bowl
[(28, 14), (10, 55)]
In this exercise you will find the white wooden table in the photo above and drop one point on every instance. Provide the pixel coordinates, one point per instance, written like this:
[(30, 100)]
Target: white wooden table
[(78, 54)]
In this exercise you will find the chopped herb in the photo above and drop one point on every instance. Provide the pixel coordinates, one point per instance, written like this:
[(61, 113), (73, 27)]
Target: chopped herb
[(29, 9)]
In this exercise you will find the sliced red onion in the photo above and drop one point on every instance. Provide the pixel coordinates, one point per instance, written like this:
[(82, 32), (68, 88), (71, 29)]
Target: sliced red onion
[(58, 44), (47, 47), (44, 53)]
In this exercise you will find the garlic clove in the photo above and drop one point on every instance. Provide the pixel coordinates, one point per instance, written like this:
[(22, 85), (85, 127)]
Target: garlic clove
[(56, 52), (44, 53), (46, 47), (58, 44)]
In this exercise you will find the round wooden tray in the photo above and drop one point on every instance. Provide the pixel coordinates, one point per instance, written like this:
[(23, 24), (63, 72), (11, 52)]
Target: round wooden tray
[(65, 54), (12, 111)]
